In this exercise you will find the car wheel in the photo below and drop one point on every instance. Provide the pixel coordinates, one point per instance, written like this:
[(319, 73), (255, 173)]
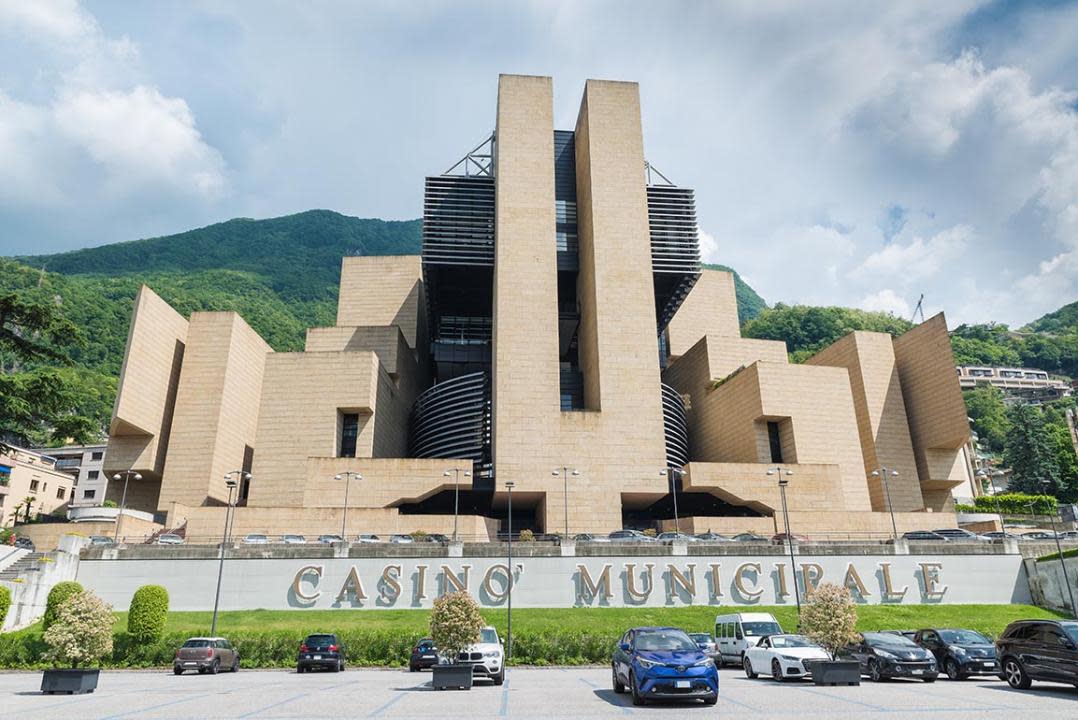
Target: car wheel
[(776, 670), (638, 699), (500, 677), (929, 679), (177, 670), (1015, 674), (952, 670), (215, 668), (236, 664), (412, 668), (619, 686), (299, 669), (874, 671), (748, 669), (711, 700), (202, 671)]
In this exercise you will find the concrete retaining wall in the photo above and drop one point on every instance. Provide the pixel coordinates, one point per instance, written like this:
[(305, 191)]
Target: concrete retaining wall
[(1050, 587), (30, 593)]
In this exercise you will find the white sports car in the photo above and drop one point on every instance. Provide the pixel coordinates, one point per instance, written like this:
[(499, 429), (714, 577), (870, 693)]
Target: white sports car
[(783, 656)]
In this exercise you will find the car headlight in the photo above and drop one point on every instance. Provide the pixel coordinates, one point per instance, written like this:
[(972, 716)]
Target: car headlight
[(491, 653), (960, 652), (647, 664), (883, 654), (791, 658), (706, 662)]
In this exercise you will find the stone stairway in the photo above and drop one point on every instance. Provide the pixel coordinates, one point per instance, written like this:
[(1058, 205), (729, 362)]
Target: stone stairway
[(28, 563)]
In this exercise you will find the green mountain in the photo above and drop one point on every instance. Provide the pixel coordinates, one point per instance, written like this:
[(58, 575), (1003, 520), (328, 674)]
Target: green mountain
[(281, 274), (749, 303), (1061, 322)]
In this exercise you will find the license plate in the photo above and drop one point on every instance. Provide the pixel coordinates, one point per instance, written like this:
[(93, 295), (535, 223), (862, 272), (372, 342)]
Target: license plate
[(428, 657), (682, 684), (918, 672), (989, 664), (317, 657), (190, 663)]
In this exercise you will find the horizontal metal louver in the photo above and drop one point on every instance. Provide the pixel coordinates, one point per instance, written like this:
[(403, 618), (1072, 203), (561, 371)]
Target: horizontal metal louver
[(676, 426)]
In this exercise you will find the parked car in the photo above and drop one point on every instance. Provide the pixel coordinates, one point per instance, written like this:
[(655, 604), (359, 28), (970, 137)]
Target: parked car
[(367, 538), (908, 634), (486, 657), (669, 537), (663, 663), (101, 540), (629, 536), (588, 537), (25, 543), (329, 539), (888, 655), (780, 538), (958, 534), (169, 539), (1031, 650), (207, 655), (437, 538), (401, 539), (320, 650), (736, 632), (255, 539), (1037, 535), (706, 643), (293, 540), (748, 537), (1069, 535), (959, 653), (998, 535), (712, 537), (784, 656), (918, 535), (424, 655)]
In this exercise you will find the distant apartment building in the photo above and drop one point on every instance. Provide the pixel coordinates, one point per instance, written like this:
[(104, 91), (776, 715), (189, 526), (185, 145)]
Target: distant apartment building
[(1018, 383), (86, 464), (29, 477)]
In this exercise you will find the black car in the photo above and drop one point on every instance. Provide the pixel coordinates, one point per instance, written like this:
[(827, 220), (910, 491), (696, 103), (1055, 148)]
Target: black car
[(424, 655), (322, 650), (1039, 650), (25, 543), (885, 655), (923, 535), (959, 653)]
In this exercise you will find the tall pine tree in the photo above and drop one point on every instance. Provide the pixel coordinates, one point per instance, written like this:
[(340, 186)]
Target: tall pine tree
[(1030, 452)]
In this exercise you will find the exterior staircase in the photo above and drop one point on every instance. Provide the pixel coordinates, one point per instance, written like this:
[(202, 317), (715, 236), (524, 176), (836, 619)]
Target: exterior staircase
[(28, 563)]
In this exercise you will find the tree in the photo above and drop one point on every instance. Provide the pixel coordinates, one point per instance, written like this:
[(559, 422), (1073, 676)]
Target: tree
[(28, 330), (28, 503), (830, 617), (806, 329), (985, 405), (60, 593), (147, 614), (82, 633), (455, 623), (1067, 479), (1030, 452)]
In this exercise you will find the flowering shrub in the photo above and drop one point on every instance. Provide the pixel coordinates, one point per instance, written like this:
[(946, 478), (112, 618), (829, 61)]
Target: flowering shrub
[(59, 594), (81, 632), (526, 535), (455, 623), (830, 617)]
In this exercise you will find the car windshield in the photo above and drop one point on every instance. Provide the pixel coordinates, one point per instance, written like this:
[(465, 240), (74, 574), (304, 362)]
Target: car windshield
[(257, 537), (1071, 628), (887, 639), (963, 637), (791, 641), (488, 636), (197, 644), (756, 629), (670, 640), (700, 637)]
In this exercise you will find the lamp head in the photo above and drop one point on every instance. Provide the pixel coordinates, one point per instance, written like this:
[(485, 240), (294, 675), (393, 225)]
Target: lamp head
[(874, 473), (336, 477), (467, 473), (509, 485), (116, 477), (138, 476), (576, 472), (230, 482), (555, 473), (447, 473)]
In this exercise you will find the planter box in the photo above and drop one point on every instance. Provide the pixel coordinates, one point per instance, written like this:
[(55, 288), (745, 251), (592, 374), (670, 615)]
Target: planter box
[(836, 672), (72, 682), (451, 676)]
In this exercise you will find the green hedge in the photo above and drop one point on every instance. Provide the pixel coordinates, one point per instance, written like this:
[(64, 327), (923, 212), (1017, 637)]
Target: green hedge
[(5, 603), (60, 592), (1015, 504), (148, 613), (25, 650)]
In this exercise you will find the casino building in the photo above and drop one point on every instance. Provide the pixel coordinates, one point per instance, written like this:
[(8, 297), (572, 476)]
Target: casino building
[(558, 318)]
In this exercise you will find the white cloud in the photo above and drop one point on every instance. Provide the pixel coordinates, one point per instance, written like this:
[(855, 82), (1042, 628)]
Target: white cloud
[(887, 301), (918, 259)]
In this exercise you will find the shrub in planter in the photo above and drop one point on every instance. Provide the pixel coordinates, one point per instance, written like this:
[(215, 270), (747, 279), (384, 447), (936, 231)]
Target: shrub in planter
[(5, 603), (419, 535), (830, 619), (81, 634), (455, 625), (650, 532), (526, 536), (147, 614), (59, 594)]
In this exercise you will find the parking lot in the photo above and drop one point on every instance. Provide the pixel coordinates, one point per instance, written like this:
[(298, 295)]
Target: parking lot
[(547, 693)]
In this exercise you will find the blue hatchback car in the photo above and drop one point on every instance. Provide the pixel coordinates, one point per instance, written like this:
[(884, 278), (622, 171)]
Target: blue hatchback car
[(663, 663)]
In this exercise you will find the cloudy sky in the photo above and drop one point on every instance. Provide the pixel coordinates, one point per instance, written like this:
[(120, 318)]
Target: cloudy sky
[(855, 153)]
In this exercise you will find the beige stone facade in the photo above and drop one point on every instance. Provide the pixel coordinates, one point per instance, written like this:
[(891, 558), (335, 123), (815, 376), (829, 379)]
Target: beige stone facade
[(526, 340)]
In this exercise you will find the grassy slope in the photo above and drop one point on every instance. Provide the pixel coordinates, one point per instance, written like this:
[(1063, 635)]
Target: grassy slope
[(989, 619)]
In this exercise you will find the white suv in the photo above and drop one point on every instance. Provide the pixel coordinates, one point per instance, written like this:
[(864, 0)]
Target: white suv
[(487, 657)]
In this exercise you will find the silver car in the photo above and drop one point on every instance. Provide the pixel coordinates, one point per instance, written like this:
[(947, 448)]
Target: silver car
[(293, 540), (401, 539), (256, 539), (169, 539)]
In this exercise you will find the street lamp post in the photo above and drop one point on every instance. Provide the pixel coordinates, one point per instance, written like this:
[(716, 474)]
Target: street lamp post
[(784, 479), (883, 473), (565, 475), (347, 476), (127, 475), (455, 472), (232, 480), (670, 472), (1059, 550), (509, 485)]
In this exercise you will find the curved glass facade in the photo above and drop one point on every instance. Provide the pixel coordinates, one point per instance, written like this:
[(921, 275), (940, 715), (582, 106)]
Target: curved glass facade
[(452, 420)]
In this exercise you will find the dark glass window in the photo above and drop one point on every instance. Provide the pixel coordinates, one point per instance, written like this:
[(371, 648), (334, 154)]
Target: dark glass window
[(775, 442), (92, 475), (349, 432), (97, 455)]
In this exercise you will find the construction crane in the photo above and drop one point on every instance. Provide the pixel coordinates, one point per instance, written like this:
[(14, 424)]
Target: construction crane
[(919, 309)]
